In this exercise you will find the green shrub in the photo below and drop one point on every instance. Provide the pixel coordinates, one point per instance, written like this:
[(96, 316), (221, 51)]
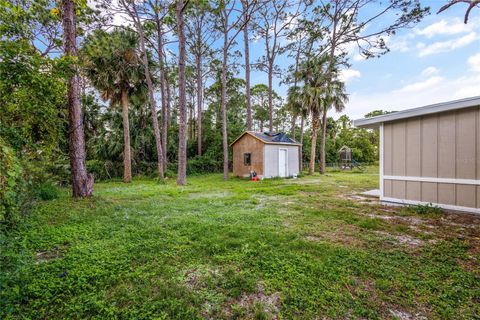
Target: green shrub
[(203, 164), (104, 170), (60, 170), (426, 209), (47, 191), (12, 185)]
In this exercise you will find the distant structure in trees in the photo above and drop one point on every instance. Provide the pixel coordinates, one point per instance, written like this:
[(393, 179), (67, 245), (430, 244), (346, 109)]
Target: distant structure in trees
[(345, 155)]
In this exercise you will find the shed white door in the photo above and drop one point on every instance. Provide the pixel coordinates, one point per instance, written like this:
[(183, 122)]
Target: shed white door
[(282, 162)]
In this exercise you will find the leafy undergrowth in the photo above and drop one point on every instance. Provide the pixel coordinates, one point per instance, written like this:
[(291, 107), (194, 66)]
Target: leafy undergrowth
[(275, 249)]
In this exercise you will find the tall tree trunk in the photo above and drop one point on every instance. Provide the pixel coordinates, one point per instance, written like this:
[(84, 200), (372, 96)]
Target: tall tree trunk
[(302, 120), (329, 81), (182, 137), (224, 106), (297, 60), (294, 124), (142, 126), (324, 137), (82, 182), (163, 91), (191, 130), (198, 62), (151, 98), (313, 150), (270, 96), (169, 98), (247, 66), (127, 153)]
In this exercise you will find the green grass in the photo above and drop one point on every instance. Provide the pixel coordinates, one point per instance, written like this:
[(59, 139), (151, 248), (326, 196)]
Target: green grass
[(276, 248)]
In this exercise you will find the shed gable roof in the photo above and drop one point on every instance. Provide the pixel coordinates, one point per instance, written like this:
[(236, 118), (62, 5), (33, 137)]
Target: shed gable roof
[(269, 138)]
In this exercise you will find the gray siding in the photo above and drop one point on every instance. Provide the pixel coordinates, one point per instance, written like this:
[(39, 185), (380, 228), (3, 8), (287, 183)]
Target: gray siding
[(271, 160), (440, 146)]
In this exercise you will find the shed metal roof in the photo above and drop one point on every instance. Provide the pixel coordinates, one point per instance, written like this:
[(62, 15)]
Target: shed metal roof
[(416, 112), (270, 138)]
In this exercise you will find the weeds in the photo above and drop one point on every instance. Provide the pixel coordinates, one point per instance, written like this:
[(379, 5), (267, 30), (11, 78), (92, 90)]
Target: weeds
[(289, 249)]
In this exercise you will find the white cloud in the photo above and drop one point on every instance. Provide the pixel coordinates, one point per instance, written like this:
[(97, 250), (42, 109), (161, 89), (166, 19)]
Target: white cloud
[(421, 85), (474, 62), (415, 95), (430, 71), (445, 27), (350, 48), (446, 46), (117, 18), (349, 74), (399, 45)]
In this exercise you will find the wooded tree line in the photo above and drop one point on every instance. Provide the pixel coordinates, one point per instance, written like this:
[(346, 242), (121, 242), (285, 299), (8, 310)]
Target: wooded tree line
[(162, 87)]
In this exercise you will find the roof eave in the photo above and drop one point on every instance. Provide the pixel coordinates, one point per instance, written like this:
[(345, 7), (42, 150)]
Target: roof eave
[(263, 141), (416, 112), (283, 143)]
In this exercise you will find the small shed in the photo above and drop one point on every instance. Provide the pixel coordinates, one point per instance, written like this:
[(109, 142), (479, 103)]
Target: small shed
[(431, 154), (268, 154)]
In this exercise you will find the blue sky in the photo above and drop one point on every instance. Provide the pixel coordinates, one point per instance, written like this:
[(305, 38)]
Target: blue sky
[(437, 60)]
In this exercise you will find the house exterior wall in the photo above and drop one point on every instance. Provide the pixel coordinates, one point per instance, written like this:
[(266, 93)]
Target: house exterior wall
[(433, 159), (247, 144), (271, 160)]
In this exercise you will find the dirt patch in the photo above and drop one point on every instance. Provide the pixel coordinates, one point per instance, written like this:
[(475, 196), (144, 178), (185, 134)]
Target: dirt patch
[(195, 278), (399, 219), (344, 236), (44, 256), (309, 193), (403, 239), (254, 305), (359, 198), (301, 181), (209, 195), (403, 315), (266, 201)]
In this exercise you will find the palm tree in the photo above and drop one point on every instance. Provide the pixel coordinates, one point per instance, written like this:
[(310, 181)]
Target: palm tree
[(112, 64), (312, 97), (294, 105), (321, 92), (335, 97), (313, 72), (296, 109)]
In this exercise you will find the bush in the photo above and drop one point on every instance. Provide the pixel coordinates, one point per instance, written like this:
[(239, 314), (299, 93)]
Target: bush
[(203, 164), (12, 186), (60, 170), (47, 191), (425, 209), (103, 170)]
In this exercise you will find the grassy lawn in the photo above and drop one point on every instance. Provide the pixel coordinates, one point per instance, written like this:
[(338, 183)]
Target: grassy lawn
[(307, 248)]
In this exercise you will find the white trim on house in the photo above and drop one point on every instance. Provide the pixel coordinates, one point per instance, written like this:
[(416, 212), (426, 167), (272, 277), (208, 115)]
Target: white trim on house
[(415, 112), (443, 206), (435, 180), (381, 160)]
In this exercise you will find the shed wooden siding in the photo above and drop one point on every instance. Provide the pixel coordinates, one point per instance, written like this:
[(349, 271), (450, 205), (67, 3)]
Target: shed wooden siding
[(247, 144), (445, 146)]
